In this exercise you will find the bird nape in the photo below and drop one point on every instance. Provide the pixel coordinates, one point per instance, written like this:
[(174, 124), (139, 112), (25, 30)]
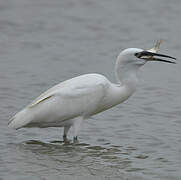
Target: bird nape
[(68, 103)]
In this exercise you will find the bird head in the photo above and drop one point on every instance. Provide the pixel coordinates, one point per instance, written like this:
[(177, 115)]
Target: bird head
[(131, 59), (138, 57)]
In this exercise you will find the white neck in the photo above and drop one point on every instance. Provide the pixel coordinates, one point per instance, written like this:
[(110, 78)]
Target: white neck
[(126, 74)]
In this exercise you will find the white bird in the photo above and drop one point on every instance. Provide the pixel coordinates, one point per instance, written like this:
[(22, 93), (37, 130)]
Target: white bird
[(67, 104)]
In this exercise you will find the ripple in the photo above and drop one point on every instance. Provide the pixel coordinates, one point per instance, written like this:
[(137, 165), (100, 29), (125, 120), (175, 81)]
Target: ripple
[(139, 139)]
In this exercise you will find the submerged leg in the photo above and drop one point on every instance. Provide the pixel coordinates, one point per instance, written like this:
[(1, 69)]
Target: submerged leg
[(76, 128), (66, 129)]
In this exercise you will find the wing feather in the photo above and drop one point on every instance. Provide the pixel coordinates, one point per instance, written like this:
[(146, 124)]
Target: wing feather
[(80, 96), (70, 89), (40, 101)]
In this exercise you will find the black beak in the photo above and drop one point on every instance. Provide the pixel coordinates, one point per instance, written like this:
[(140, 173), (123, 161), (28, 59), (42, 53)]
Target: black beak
[(149, 56)]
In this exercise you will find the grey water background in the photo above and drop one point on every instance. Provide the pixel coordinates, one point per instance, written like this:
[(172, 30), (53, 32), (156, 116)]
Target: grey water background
[(44, 42)]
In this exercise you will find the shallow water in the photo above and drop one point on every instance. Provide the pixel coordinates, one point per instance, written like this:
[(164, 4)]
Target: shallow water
[(44, 42)]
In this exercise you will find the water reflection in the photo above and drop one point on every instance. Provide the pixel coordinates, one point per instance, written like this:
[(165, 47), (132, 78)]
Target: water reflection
[(55, 147), (70, 158), (77, 152)]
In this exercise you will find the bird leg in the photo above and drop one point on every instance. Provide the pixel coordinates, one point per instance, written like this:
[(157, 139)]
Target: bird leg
[(75, 140), (66, 129), (76, 127)]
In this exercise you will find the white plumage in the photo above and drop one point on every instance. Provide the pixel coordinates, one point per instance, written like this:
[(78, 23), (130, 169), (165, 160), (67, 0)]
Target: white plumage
[(81, 96), (73, 100)]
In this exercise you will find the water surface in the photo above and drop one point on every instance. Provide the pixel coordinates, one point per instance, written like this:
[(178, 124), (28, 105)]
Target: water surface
[(44, 42)]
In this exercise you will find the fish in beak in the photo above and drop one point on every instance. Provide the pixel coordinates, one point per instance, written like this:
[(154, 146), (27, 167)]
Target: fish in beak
[(152, 55)]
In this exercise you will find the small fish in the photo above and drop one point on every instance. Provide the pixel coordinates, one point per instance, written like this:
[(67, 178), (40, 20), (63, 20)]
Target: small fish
[(155, 49)]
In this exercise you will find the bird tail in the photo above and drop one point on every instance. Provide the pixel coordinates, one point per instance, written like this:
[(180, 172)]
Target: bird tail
[(19, 120)]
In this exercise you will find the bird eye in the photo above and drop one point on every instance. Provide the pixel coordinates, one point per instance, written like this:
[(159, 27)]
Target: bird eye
[(136, 54)]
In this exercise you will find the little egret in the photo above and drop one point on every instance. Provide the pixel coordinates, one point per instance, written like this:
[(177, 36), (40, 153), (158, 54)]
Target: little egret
[(67, 104)]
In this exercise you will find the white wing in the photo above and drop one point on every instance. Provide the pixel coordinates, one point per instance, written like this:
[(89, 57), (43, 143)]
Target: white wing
[(78, 87), (79, 96)]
